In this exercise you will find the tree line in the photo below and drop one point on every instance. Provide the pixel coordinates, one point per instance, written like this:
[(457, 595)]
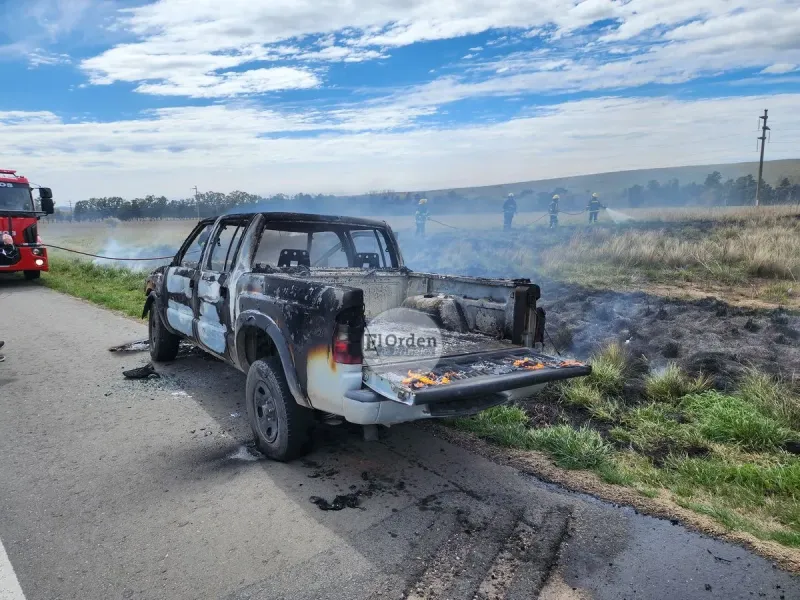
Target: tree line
[(713, 192)]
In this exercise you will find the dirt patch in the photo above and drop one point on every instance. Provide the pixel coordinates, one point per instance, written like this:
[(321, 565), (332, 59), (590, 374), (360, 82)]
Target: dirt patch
[(662, 506), (743, 296)]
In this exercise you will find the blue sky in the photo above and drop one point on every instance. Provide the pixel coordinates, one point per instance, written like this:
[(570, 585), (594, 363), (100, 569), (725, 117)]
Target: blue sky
[(130, 97)]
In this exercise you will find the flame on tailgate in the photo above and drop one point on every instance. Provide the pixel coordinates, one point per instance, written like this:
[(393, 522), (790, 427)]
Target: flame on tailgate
[(418, 380)]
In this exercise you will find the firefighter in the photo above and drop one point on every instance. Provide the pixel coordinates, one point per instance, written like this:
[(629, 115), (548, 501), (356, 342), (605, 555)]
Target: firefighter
[(8, 251), (553, 210), (421, 216), (594, 207), (509, 210)]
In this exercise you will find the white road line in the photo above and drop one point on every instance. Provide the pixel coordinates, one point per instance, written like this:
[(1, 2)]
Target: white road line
[(9, 586)]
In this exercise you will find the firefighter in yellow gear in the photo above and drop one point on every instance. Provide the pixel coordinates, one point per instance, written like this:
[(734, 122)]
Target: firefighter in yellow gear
[(594, 207)]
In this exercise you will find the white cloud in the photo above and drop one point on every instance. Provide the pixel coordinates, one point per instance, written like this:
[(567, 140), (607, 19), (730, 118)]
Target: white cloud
[(225, 148), (184, 47), (39, 57), (780, 68), (257, 81)]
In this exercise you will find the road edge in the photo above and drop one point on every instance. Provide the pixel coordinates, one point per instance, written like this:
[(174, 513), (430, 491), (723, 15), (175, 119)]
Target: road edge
[(540, 466)]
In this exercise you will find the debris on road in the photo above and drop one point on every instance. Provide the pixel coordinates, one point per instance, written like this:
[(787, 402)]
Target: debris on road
[(339, 502), (246, 454), (144, 372), (138, 346)]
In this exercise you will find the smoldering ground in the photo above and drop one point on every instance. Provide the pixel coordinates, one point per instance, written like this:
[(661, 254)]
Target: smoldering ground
[(706, 335)]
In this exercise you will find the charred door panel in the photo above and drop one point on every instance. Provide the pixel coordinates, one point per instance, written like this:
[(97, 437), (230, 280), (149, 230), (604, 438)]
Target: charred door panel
[(212, 315), (180, 299), (212, 321)]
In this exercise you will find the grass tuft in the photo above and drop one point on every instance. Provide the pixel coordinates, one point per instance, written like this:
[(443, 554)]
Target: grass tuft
[(771, 397), (572, 448), (671, 384), (609, 367)]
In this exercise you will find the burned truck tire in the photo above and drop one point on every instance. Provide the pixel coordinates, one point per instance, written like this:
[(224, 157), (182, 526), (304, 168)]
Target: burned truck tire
[(163, 344), (32, 275), (281, 427)]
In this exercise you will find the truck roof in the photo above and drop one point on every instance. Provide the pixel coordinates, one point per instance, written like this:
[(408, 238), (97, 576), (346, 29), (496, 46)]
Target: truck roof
[(11, 176), (300, 217)]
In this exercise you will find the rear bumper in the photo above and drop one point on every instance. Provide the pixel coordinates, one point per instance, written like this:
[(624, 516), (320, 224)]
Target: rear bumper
[(27, 260), (366, 407)]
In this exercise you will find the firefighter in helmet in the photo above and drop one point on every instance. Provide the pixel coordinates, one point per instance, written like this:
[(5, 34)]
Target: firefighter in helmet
[(421, 216), (8, 251), (594, 207), (509, 210), (553, 211)]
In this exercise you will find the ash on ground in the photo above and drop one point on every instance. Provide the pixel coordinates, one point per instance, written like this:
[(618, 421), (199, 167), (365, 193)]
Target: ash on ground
[(702, 336)]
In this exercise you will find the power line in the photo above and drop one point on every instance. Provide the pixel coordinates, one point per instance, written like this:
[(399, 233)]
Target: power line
[(763, 138)]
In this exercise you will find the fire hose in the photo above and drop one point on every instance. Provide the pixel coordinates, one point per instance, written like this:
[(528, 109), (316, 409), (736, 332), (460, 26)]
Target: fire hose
[(445, 224), (106, 257)]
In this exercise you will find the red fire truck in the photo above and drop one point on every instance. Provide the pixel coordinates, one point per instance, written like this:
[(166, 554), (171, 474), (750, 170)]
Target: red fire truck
[(19, 218)]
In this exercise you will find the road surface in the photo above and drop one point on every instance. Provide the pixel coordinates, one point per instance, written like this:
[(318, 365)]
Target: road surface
[(146, 489)]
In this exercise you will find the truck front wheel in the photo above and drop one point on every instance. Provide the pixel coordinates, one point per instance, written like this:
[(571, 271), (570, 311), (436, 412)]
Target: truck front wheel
[(163, 344), (282, 427), (32, 275)]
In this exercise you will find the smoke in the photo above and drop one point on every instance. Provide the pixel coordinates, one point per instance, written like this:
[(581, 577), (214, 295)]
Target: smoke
[(129, 252)]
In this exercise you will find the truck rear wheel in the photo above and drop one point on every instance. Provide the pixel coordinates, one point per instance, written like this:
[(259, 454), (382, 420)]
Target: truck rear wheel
[(32, 275), (163, 344), (282, 427)]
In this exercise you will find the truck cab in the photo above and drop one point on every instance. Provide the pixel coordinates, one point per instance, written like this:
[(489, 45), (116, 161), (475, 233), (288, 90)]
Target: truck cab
[(19, 217)]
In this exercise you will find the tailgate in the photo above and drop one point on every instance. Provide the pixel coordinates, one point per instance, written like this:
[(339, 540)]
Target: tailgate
[(469, 375)]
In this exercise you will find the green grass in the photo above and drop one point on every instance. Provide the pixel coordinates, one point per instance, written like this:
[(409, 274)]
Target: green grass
[(731, 419), (117, 289), (720, 455), (572, 448), (504, 425), (671, 384), (654, 426), (771, 398), (598, 393)]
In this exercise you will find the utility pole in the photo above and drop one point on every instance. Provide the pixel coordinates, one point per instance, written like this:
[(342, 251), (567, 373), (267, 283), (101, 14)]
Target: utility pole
[(196, 202), (763, 138)]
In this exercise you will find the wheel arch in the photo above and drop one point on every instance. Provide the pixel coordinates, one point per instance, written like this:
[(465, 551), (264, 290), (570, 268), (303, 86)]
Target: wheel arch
[(257, 337)]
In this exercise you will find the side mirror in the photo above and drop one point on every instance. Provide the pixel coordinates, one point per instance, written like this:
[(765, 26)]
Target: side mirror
[(46, 199)]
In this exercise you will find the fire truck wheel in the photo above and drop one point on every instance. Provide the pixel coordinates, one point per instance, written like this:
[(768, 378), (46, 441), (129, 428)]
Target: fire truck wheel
[(163, 344), (32, 274), (282, 428)]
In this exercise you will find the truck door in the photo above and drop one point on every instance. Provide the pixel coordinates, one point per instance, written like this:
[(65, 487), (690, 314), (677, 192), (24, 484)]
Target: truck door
[(180, 281), (212, 311)]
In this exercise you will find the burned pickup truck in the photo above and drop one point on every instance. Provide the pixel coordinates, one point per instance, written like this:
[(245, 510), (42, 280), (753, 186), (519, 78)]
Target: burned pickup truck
[(295, 300)]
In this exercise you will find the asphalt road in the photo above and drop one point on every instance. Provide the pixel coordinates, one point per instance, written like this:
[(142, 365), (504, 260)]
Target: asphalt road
[(146, 489)]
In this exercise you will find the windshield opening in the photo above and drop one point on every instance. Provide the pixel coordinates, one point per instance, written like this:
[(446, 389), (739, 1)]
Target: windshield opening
[(15, 197)]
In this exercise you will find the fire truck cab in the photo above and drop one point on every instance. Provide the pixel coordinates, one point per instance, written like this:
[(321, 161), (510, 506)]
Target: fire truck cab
[(19, 218)]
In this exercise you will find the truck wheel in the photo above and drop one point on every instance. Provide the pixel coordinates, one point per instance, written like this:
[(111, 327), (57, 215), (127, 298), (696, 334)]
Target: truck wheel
[(32, 275), (163, 344), (282, 427)]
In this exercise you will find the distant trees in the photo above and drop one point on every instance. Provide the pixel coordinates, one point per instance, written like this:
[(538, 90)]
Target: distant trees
[(713, 192)]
